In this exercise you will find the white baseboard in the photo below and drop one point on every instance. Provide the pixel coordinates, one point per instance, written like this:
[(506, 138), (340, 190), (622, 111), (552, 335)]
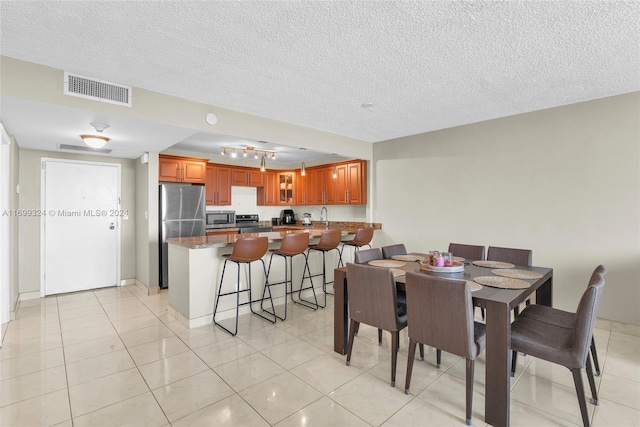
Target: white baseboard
[(25, 296), (125, 282), (144, 288)]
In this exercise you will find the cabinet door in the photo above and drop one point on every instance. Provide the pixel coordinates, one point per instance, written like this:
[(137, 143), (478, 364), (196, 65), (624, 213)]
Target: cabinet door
[(299, 189), (314, 192), (354, 183), (169, 170), (210, 185), (223, 186), (330, 190), (239, 177), (284, 185), (194, 171), (256, 178), (341, 184), (267, 195)]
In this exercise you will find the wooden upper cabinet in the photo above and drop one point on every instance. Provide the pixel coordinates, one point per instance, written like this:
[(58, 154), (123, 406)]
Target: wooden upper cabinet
[(267, 195), (299, 189), (351, 187), (218, 185), (180, 169), (247, 177)]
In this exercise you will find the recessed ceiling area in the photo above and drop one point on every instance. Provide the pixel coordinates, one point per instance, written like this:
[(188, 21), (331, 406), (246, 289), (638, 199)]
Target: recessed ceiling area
[(371, 71)]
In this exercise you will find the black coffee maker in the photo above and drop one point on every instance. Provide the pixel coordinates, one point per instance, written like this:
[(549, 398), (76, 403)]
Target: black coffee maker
[(288, 217)]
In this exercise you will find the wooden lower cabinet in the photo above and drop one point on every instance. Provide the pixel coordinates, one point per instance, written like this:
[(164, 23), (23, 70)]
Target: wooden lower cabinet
[(267, 195)]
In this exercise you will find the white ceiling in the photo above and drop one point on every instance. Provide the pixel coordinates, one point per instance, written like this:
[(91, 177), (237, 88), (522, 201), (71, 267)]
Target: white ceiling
[(425, 65)]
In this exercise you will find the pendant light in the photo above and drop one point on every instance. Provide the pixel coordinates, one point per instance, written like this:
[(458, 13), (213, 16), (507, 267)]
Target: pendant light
[(303, 170), (262, 163), (335, 171)]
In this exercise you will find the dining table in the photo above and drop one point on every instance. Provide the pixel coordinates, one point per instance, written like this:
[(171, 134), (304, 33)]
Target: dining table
[(498, 304)]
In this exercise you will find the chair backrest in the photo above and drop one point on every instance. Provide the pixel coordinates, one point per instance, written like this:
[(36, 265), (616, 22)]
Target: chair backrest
[(514, 256), (330, 239), (294, 243), (440, 314), (364, 236), (586, 318), (364, 256), (249, 249), (391, 250), (372, 296), (469, 252)]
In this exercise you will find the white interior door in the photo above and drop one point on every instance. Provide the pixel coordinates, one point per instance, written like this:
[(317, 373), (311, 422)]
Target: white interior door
[(81, 225)]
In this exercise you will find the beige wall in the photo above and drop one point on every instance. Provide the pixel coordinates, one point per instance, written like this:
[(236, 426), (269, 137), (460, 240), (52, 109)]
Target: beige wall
[(564, 182), (29, 227), (147, 222)]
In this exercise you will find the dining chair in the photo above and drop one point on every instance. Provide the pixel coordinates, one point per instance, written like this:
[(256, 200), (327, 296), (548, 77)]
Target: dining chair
[(391, 250), (564, 319), (566, 346), (514, 256), (471, 253), (366, 255), (363, 257), (363, 237), (245, 251), (468, 252), (440, 314), (373, 301)]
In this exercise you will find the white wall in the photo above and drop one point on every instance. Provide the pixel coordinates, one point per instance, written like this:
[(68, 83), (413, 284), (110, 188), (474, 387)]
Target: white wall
[(564, 182)]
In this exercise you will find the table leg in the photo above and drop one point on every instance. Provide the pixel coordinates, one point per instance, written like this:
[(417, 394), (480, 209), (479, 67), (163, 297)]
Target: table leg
[(497, 389), (340, 312), (545, 292)]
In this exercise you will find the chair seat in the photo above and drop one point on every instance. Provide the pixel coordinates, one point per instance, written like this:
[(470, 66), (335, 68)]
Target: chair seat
[(550, 315), (544, 341)]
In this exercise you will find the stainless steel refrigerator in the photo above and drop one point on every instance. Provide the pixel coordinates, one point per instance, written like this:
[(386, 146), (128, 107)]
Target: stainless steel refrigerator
[(182, 208)]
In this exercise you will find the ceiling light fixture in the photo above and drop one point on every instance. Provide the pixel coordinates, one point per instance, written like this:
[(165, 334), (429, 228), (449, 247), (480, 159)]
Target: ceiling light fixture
[(247, 150), (303, 170), (263, 165), (96, 141), (335, 172)]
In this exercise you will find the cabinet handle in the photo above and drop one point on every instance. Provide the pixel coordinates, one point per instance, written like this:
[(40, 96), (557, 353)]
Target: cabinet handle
[(177, 173), (182, 174)]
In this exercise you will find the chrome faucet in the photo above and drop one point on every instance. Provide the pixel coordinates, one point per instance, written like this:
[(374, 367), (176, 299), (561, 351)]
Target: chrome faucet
[(324, 216)]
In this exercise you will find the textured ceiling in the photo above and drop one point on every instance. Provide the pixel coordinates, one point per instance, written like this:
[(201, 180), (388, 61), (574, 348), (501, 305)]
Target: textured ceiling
[(424, 65)]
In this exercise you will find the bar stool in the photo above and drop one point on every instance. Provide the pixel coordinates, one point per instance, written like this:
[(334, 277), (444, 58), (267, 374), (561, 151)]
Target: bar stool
[(292, 245), (245, 251), (329, 240), (363, 237)]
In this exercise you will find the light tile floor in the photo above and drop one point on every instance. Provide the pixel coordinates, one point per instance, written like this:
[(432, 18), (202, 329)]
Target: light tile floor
[(113, 357)]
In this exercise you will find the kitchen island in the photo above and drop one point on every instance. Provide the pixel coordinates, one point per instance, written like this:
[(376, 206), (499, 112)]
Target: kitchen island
[(195, 269)]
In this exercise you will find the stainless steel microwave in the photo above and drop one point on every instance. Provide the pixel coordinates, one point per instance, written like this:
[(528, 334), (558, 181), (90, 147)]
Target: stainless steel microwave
[(220, 219)]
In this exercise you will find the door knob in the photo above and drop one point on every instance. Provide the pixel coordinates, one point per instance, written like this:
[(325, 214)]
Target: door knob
[(112, 226)]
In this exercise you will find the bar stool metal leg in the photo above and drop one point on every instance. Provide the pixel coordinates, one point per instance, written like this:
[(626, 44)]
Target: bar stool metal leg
[(303, 302)]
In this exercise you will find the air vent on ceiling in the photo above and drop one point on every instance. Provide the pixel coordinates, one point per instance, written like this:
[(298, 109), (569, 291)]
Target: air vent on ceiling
[(98, 90), (84, 149)]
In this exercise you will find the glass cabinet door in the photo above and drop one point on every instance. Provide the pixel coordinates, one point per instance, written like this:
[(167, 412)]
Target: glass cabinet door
[(285, 188)]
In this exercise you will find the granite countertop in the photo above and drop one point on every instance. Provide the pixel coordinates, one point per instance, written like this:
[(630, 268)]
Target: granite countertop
[(278, 233)]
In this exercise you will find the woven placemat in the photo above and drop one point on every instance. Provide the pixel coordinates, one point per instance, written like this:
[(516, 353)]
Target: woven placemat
[(398, 272), (408, 258), (517, 274), (502, 282), (387, 263), (493, 264)]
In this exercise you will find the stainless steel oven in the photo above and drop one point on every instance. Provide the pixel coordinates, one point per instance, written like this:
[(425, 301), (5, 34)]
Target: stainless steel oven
[(220, 219)]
